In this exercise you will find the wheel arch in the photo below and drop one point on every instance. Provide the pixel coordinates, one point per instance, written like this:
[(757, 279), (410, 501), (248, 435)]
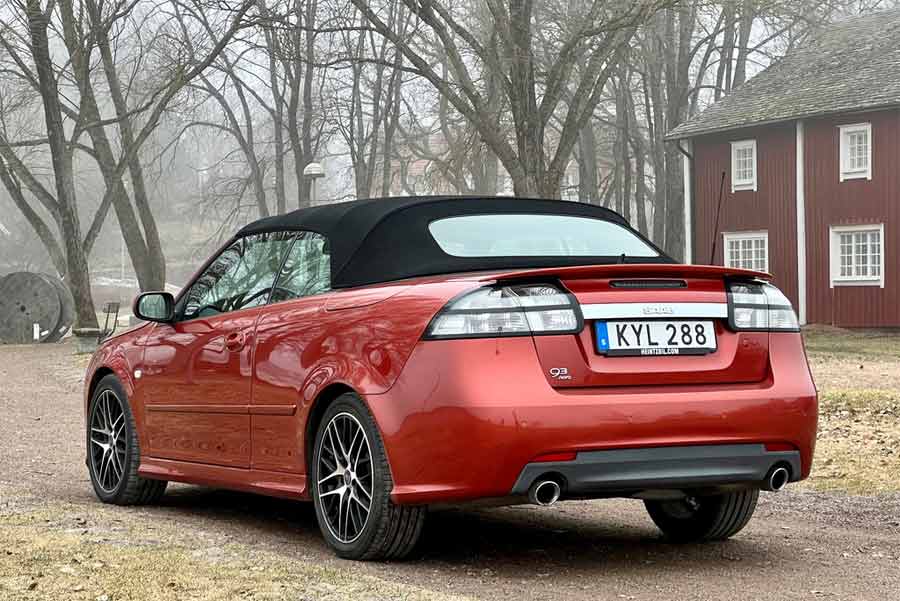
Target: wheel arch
[(314, 416), (100, 373)]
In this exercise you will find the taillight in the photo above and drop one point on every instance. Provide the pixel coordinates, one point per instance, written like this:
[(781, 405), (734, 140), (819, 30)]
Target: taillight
[(760, 307), (514, 310)]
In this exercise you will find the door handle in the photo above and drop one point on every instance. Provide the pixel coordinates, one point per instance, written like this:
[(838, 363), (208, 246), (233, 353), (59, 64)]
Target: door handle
[(235, 341)]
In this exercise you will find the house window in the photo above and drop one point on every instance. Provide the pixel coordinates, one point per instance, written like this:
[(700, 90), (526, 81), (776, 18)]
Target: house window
[(747, 250), (856, 151), (743, 165), (857, 255)]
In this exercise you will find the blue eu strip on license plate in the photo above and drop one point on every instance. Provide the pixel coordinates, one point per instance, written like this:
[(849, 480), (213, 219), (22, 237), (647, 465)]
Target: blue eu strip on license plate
[(602, 336)]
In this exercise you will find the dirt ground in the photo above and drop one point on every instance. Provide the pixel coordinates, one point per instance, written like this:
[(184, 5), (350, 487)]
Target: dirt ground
[(815, 541)]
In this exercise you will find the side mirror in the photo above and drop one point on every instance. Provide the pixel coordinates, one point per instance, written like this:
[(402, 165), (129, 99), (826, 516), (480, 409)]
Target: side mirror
[(155, 306)]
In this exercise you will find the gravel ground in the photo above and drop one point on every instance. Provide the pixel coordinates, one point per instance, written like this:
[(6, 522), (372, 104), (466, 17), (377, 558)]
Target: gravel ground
[(57, 542)]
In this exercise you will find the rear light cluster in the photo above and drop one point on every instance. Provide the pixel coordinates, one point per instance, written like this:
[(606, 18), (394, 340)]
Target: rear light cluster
[(760, 307), (515, 310)]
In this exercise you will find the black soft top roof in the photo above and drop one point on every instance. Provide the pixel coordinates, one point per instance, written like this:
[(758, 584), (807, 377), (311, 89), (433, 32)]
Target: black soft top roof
[(384, 239)]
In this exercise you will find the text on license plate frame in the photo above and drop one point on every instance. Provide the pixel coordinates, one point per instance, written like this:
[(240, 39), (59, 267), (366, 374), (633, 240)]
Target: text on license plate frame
[(653, 337)]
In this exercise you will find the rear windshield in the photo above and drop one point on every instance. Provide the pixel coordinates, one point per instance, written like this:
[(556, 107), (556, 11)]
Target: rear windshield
[(514, 235)]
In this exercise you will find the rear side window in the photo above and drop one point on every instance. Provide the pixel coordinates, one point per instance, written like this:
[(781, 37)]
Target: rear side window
[(307, 269), (533, 235)]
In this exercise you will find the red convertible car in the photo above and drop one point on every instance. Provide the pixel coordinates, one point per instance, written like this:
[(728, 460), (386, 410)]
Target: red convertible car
[(380, 356)]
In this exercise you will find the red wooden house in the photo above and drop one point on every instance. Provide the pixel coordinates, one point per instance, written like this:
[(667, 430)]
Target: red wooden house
[(810, 151)]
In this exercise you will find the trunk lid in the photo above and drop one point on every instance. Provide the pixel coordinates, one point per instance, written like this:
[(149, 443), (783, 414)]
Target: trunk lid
[(633, 296)]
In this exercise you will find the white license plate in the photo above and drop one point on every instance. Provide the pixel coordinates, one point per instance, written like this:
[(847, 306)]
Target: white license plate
[(618, 338)]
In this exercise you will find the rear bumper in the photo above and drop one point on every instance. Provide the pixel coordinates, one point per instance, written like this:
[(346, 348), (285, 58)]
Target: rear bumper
[(466, 418), (660, 468)]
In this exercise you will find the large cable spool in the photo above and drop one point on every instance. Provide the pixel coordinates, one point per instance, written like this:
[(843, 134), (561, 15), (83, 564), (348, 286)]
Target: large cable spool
[(67, 309), (33, 308)]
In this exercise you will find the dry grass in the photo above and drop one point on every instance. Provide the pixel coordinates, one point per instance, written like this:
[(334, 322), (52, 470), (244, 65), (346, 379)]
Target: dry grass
[(63, 552), (858, 376)]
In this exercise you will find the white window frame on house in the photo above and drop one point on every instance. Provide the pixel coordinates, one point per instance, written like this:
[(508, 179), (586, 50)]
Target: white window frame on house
[(742, 239), (853, 272), (742, 182), (848, 169)]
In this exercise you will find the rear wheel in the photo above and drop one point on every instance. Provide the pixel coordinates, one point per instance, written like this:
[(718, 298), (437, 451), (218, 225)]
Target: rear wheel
[(707, 518), (351, 485), (114, 451)]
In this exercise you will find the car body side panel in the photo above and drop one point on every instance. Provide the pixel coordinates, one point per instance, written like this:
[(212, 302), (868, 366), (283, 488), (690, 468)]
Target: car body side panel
[(196, 389), (304, 347), (458, 426)]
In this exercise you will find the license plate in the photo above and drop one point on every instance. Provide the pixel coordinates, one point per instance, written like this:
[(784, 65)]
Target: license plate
[(629, 338)]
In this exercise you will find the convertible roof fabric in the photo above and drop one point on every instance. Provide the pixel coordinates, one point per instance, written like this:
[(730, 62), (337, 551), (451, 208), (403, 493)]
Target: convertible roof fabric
[(385, 239)]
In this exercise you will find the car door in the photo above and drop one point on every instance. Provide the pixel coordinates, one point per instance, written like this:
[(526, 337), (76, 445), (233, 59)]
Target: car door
[(289, 337), (196, 372)]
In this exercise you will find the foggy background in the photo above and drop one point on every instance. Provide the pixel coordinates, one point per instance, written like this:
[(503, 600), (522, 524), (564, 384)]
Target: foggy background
[(135, 135)]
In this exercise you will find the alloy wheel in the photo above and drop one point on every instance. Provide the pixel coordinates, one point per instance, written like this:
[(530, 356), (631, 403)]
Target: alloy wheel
[(345, 489), (108, 441)]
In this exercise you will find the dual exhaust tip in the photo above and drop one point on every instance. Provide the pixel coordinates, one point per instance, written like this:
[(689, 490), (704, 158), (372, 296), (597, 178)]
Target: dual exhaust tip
[(777, 478), (544, 492)]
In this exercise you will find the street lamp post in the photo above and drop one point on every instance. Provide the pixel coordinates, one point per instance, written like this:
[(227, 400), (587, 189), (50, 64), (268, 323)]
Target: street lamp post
[(313, 172)]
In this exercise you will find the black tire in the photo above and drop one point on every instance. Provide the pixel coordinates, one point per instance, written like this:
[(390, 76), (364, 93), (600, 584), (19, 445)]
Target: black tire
[(707, 518), (390, 531), (131, 488)]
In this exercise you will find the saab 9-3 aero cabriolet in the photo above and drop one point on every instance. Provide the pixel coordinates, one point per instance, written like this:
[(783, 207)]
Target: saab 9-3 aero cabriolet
[(380, 356)]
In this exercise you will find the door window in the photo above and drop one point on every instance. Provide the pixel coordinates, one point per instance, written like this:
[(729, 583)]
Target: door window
[(240, 277), (307, 269)]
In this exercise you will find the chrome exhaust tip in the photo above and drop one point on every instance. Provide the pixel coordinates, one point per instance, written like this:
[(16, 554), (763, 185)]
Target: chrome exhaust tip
[(777, 479), (544, 492)]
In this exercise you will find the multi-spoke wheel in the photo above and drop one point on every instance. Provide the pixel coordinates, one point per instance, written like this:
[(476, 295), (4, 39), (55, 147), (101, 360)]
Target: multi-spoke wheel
[(703, 518), (113, 452), (345, 477), (351, 484), (108, 444)]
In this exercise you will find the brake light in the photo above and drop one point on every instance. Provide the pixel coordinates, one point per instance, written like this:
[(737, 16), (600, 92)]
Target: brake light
[(760, 307), (515, 310)]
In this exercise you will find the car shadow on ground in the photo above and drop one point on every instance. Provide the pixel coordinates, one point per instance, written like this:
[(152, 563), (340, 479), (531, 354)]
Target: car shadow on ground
[(512, 541)]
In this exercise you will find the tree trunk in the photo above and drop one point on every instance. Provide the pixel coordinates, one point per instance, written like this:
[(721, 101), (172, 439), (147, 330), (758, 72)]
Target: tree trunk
[(156, 260), (723, 73), (640, 187), (306, 124), (78, 274), (748, 13), (587, 165)]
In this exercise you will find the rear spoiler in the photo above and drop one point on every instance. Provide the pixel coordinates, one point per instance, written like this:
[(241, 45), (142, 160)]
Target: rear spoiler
[(640, 270)]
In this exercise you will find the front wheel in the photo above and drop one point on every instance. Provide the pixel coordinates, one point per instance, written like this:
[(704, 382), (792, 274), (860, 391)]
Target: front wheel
[(706, 518), (113, 450), (351, 484)]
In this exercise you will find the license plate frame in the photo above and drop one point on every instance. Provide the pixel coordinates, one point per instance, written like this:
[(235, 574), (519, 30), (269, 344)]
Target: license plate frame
[(647, 338)]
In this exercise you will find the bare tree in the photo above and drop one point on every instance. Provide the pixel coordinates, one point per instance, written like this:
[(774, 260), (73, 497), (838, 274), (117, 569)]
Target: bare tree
[(72, 111), (597, 30)]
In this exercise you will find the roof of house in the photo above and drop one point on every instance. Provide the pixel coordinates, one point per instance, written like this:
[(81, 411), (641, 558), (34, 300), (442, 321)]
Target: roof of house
[(849, 66), (385, 239)]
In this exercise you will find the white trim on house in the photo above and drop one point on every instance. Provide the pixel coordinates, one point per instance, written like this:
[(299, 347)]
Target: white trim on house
[(854, 279), (849, 170), (738, 180), (739, 237), (688, 203), (801, 225)]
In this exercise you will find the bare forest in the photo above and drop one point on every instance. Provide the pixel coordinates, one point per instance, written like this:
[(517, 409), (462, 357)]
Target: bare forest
[(136, 134)]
